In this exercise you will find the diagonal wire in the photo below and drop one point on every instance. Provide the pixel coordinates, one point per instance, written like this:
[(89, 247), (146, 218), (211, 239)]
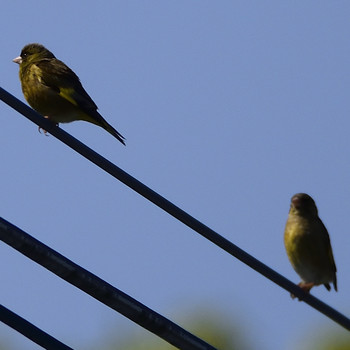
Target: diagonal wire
[(30, 331), (99, 289), (172, 209)]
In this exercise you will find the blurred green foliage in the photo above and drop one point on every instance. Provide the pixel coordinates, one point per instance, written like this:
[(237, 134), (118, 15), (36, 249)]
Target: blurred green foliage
[(210, 327)]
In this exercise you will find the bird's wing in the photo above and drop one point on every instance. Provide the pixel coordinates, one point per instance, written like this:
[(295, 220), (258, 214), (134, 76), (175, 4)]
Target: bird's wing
[(327, 243), (59, 77)]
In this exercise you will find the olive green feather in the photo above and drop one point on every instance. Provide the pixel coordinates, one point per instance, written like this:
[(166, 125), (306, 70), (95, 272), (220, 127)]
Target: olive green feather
[(55, 91), (308, 245)]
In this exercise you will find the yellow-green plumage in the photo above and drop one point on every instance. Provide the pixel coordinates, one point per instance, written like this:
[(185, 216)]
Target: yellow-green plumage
[(55, 91), (308, 245)]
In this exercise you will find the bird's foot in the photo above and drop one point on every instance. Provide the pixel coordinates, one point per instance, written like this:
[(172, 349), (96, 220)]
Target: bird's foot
[(306, 287), (44, 131)]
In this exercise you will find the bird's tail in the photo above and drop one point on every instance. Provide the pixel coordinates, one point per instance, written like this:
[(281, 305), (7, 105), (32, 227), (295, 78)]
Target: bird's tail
[(113, 132), (96, 118)]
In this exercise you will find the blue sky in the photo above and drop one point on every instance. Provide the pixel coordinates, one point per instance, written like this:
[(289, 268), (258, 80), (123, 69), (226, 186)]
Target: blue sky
[(228, 109)]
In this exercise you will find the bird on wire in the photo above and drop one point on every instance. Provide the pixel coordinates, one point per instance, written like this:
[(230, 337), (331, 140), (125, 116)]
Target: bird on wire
[(308, 245), (55, 91)]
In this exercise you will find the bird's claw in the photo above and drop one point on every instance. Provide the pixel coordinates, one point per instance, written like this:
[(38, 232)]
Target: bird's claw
[(306, 287), (44, 131)]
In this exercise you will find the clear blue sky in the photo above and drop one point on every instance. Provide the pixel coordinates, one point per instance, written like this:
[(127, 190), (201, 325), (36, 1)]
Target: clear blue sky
[(229, 108)]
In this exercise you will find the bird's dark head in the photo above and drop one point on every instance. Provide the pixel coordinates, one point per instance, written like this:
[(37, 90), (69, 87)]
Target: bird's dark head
[(303, 204), (32, 52)]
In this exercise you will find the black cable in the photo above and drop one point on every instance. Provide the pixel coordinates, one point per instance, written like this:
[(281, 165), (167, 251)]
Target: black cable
[(172, 209), (30, 331), (99, 289)]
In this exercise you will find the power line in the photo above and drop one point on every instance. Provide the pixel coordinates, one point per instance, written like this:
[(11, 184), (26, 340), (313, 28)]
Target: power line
[(99, 289), (30, 331), (173, 210)]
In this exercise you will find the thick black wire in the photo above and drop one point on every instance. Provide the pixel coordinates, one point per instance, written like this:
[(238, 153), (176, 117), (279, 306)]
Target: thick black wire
[(172, 209), (99, 289), (30, 331)]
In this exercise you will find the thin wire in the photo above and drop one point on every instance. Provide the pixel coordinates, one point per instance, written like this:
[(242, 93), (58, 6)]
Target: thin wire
[(30, 331), (99, 289), (173, 210)]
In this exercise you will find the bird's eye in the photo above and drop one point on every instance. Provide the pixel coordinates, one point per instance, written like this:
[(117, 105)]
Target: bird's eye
[(24, 54)]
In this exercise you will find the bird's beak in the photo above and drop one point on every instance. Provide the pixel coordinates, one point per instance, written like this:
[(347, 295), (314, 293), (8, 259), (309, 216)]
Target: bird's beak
[(17, 60)]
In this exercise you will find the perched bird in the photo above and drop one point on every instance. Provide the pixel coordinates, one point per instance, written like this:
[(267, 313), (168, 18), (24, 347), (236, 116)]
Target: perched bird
[(308, 245), (55, 91)]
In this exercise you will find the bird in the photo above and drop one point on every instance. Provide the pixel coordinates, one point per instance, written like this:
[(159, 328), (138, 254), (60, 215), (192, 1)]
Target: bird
[(308, 245), (55, 91)]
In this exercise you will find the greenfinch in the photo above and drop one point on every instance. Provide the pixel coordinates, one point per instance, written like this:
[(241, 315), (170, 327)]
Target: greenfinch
[(308, 245), (55, 91)]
